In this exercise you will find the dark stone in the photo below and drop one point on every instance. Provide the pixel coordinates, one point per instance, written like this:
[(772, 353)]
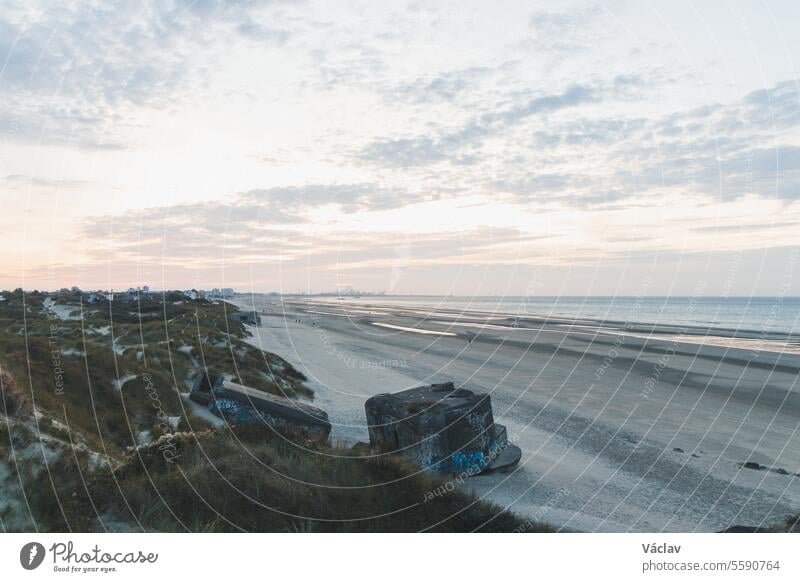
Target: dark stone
[(678, 450), (203, 384), (247, 317), (508, 458), (781, 471)]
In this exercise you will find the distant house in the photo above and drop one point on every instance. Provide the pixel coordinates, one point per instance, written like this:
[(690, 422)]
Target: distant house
[(91, 298), (129, 295), (132, 294), (97, 297), (192, 294), (217, 293)]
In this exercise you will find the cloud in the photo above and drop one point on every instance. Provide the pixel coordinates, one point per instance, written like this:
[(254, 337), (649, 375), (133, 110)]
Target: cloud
[(447, 86), (423, 150), (271, 229), (725, 151), (249, 218), (406, 152), (721, 151), (775, 106), (571, 31), (294, 200), (257, 32), (574, 95), (371, 111), (74, 75), (25, 180)]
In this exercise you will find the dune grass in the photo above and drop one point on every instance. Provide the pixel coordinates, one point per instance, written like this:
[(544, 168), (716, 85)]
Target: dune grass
[(254, 480), (72, 368)]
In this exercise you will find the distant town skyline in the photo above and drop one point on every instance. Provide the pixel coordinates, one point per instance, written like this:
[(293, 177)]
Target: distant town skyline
[(561, 148)]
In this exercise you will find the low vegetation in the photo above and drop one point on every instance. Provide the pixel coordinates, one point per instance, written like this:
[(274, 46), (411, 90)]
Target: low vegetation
[(115, 370), (223, 481)]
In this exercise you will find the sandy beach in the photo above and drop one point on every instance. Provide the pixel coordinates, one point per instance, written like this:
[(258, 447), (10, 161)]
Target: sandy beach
[(623, 427)]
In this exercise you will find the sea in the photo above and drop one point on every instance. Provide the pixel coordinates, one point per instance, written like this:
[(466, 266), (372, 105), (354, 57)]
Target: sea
[(758, 314)]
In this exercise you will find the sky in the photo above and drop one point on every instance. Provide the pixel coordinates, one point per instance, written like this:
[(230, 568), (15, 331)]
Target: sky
[(472, 148)]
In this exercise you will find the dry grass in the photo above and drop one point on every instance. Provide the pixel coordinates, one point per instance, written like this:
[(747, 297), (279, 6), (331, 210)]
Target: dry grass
[(254, 481), (167, 341), (13, 401)]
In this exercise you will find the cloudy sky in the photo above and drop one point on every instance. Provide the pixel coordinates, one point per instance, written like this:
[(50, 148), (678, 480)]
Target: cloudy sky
[(410, 147)]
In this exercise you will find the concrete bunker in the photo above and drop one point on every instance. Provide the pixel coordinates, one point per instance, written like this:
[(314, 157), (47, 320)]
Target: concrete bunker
[(242, 404), (247, 317), (441, 428)]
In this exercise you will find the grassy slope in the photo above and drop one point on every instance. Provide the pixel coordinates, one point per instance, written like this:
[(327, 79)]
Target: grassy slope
[(251, 480), (167, 341), (223, 481)]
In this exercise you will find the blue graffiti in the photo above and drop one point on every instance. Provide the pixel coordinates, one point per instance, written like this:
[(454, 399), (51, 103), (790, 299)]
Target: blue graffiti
[(463, 462), (234, 411)]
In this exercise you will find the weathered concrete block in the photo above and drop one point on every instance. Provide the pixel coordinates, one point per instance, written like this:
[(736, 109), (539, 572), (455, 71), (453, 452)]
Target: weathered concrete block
[(247, 317), (440, 427), (242, 404)]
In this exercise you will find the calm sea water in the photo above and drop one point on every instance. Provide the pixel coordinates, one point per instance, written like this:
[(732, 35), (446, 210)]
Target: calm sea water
[(743, 313)]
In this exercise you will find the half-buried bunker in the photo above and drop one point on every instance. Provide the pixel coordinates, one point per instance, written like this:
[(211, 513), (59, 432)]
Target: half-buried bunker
[(241, 404), (443, 429)]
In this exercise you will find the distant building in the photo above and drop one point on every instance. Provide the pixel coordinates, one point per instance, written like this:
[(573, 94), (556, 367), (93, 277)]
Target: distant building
[(217, 293), (97, 297), (132, 294), (194, 294), (129, 295)]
